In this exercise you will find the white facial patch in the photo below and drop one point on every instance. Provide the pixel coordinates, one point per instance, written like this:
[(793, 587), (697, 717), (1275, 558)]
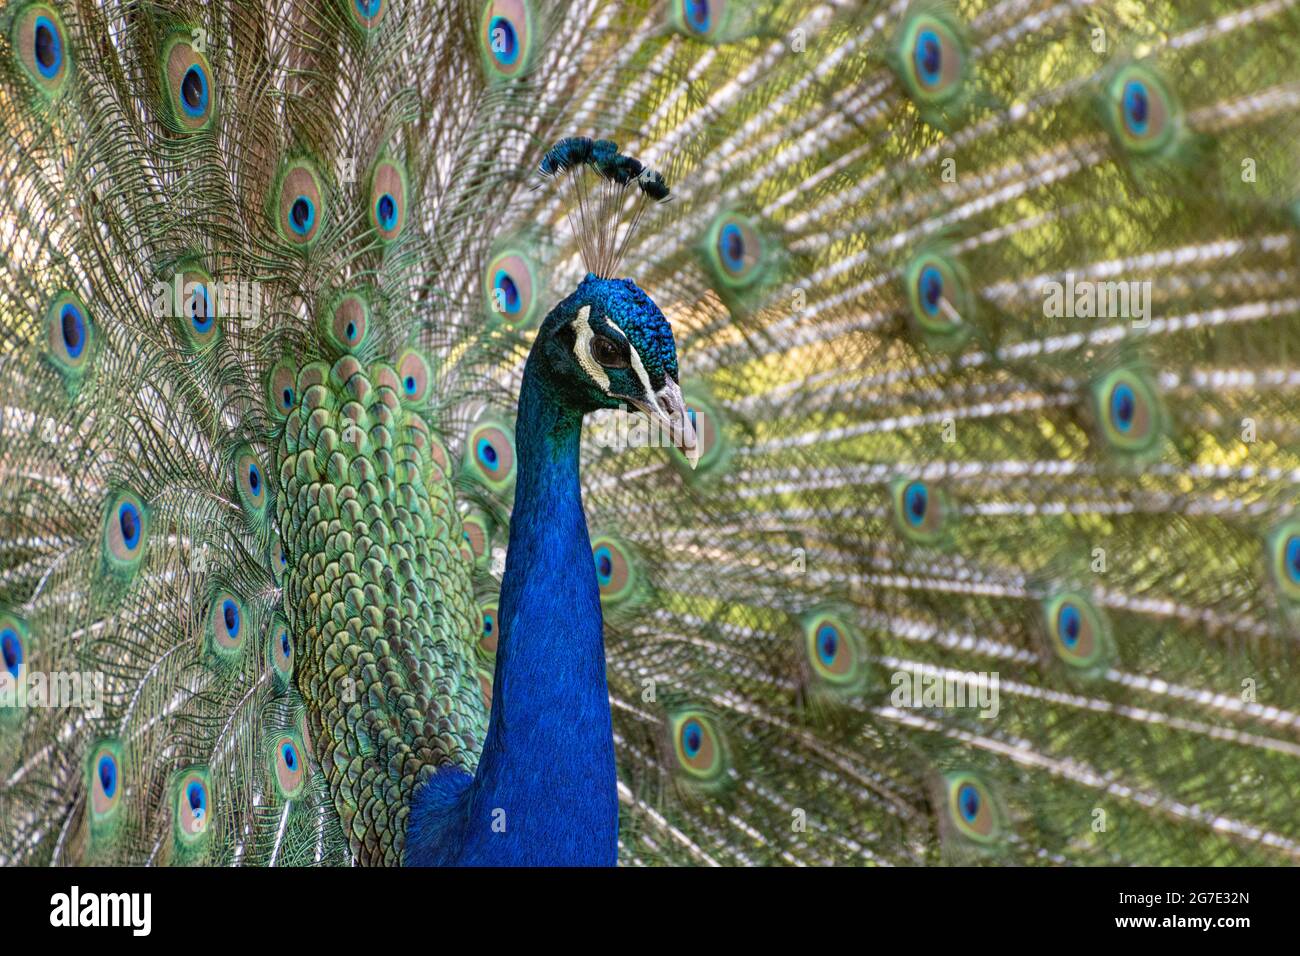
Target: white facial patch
[(582, 348), (637, 365)]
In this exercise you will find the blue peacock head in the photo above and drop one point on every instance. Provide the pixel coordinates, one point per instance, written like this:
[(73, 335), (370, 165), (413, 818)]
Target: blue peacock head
[(608, 345)]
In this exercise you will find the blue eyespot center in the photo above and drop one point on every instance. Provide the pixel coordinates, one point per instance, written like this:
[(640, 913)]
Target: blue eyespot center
[(200, 310), (368, 8), (128, 522), (1137, 106), (931, 286), (828, 644), (73, 326), (731, 245), (289, 755), (386, 211), (916, 501), (351, 331), (1292, 549), (230, 617), (604, 565), (487, 453), (968, 800), (409, 384), (254, 480), (692, 738), (487, 625), (48, 48), (1123, 405), (194, 91), (929, 57), (505, 42), (12, 650), (1071, 623), (196, 798), (302, 215), (107, 771), (509, 297), (698, 15), (285, 647)]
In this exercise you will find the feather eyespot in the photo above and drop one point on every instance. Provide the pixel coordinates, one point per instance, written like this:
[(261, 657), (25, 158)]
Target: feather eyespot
[(250, 482), (1078, 633), (104, 783), (125, 530), (616, 569), (933, 59), (1143, 115), (490, 455), (414, 376), (192, 298), (510, 286), (972, 810), (38, 39), (348, 322), (187, 79), (281, 388), (280, 652), (833, 652), (287, 769), (491, 631), (737, 249), (388, 187), (698, 746), (190, 811), (69, 337), (1130, 414), (227, 626), (299, 205), (921, 511), (940, 299), (506, 37)]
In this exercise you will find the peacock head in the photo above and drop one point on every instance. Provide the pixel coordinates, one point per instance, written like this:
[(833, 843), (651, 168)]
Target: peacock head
[(608, 346)]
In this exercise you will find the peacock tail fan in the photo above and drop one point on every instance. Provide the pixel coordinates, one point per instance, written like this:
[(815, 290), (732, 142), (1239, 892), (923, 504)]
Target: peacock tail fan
[(987, 323)]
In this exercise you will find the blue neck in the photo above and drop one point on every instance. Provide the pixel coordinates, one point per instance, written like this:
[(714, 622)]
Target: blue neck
[(548, 760)]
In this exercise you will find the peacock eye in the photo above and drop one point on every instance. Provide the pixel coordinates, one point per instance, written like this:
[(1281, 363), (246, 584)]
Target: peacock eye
[(607, 353)]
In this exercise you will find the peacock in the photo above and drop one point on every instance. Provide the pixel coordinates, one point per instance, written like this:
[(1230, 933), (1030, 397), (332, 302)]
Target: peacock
[(653, 432)]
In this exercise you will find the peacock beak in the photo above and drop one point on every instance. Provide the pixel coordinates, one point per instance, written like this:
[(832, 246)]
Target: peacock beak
[(669, 410)]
